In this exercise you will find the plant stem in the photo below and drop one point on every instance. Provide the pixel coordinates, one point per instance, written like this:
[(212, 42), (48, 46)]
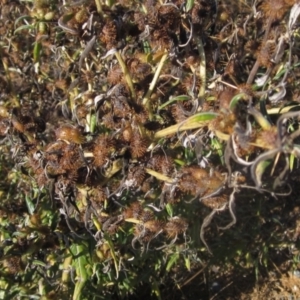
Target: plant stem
[(126, 74), (202, 70), (255, 67), (155, 78), (99, 7)]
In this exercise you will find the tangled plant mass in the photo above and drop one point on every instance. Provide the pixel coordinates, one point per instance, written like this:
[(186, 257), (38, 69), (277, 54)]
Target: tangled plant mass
[(121, 118)]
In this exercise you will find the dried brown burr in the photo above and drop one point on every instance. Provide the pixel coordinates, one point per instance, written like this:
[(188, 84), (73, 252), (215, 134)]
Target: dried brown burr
[(135, 210), (138, 145), (109, 34), (276, 9), (175, 226)]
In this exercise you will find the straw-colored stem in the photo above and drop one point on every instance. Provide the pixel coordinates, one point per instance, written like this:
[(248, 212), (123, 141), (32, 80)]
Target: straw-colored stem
[(66, 269), (179, 127), (260, 119), (159, 176), (202, 70), (155, 78), (126, 74), (99, 7), (256, 66)]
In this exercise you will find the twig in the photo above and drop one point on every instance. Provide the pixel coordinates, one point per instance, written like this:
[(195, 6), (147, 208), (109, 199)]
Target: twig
[(193, 277)]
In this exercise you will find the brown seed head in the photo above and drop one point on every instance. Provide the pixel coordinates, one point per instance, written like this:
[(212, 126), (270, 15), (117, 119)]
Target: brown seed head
[(169, 16), (276, 9), (109, 35), (138, 146), (135, 210), (215, 202), (161, 163), (146, 216), (268, 139), (102, 148), (13, 264), (137, 174), (225, 96), (175, 227), (115, 75), (265, 53), (154, 225)]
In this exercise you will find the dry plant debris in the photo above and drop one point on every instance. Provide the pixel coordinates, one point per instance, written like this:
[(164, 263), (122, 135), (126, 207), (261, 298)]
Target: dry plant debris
[(131, 130)]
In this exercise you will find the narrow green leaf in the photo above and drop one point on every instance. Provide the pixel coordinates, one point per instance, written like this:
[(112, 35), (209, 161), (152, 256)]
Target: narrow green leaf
[(155, 289), (218, 146), (187, 263), (175, 99), (236, 99), (169, 209), (189, 5), (201, 117), (173, 259), (179, 162), (20, 19), (260, 170), (249, 260), (292, 162), (39, 263), (30, 205), (196, 121), (113, 254), (80, 256), (93, 123), (23, 27), (37, 51), (66, 265)]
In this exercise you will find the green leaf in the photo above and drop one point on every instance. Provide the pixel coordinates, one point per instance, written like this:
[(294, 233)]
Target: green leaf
[(196, 121), (93, 123), (30, 205), (189, 5), (155, 289), (39, 263), (37, 51), (80, 257), (113, 254), (169, 209), (179, 162), (187, 263), (236, 99), (258, 171), (202, 117), (218, 146), (175, 99), (173, 259), (292, 162), (23, 27), (20, 19)]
